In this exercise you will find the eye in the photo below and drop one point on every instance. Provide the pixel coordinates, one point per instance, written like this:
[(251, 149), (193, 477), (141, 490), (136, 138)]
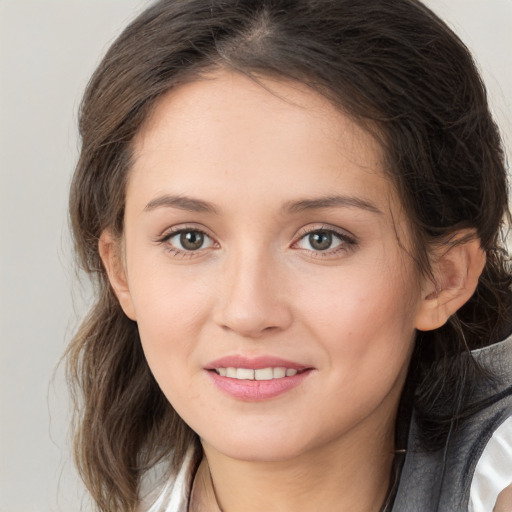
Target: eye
[(324, 240), (319, 240), (188, 240)]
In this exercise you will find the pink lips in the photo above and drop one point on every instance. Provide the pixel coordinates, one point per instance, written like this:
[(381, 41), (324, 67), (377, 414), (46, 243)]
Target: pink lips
[(256, 390)]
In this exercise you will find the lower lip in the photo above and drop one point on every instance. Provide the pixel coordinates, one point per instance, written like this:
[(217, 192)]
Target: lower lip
[(256, 390)]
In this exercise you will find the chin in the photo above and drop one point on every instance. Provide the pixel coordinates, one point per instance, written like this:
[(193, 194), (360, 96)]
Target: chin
[(260, 447)]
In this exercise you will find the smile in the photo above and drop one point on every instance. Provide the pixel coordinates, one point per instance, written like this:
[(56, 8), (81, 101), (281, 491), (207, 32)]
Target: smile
[(256, 374), (254, 379)]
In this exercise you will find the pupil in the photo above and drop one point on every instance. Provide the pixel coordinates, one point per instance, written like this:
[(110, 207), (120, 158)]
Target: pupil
[(191, 240), (321, 240)]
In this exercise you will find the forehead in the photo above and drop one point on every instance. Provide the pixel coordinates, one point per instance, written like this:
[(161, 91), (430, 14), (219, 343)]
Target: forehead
[(228, 132)]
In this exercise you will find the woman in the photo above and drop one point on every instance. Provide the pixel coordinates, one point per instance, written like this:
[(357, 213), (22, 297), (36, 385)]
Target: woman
[(293, 211)]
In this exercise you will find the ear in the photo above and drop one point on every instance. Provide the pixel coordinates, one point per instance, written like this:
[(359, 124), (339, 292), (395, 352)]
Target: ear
[(111, 255), (456, 270)]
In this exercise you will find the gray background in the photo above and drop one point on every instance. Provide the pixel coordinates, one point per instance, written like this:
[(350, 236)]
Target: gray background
[(48, 48)]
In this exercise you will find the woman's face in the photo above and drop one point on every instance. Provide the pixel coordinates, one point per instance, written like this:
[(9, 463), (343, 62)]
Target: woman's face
[(265, 267)]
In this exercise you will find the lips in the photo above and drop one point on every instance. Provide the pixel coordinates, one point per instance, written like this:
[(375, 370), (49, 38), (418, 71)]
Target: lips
[(256, 379)]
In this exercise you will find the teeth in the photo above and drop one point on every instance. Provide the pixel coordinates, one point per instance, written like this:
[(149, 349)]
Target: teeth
[(279, 373), (245, 373), (231, 372), (264, 374), (259, 374)]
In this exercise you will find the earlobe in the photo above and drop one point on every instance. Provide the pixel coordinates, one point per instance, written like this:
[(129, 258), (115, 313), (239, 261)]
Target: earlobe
[(456, 270), (111, 256)]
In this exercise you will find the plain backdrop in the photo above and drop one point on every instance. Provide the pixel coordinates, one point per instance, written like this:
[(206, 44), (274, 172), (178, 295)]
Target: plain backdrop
[(48, 49)]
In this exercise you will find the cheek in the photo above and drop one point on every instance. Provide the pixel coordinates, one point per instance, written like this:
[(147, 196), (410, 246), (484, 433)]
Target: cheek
[(171, 309), (363, 318), (167, 297), (165, 311), (364, 324)]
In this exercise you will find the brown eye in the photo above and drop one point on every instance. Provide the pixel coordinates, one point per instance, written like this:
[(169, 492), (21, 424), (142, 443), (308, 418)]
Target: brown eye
[(325, 242), (320, 240), (191, 240), (188, 241)]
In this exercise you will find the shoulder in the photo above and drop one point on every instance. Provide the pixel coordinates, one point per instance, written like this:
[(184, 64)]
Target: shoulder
[(450, 479), (493, 472)]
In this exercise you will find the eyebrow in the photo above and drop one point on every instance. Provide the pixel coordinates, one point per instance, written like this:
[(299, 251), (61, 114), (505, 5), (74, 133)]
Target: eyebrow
[(197, 205), (330, 202), (182, 203)]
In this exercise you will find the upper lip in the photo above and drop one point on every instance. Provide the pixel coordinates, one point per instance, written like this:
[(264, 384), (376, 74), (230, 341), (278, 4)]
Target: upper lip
[(255, 363)]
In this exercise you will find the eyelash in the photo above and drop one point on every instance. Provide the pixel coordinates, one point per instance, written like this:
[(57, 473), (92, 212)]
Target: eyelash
[(347, 241), (175, 251)]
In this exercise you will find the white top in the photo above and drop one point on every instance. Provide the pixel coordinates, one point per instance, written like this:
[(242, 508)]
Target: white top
[(493, 473), (174, 495)]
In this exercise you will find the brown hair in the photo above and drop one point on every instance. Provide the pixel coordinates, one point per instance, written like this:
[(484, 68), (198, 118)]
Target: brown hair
[(393, 64)]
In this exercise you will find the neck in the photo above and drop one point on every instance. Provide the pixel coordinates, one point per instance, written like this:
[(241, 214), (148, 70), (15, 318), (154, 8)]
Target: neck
[(340, 476)]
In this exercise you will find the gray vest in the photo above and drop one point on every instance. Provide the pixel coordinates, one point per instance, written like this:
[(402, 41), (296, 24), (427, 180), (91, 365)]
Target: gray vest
[(440, 481)]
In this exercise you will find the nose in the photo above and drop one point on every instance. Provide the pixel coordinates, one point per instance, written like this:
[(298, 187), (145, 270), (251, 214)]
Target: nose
[(253, 300)]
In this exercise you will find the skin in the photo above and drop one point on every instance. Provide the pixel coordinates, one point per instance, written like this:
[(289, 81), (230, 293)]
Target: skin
[(257, 286), (504, 501)]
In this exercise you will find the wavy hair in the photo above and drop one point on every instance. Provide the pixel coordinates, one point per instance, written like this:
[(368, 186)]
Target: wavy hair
[(393, 66)]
